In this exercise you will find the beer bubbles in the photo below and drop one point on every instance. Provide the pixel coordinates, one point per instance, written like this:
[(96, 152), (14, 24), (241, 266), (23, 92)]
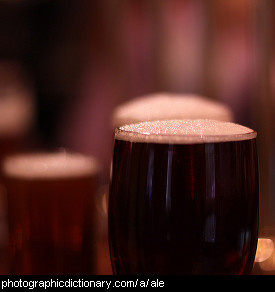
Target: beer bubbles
[(184, 131)]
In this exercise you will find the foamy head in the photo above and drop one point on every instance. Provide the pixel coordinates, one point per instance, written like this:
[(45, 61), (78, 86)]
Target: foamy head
[(166, 106), (184, 132), (50, 166)]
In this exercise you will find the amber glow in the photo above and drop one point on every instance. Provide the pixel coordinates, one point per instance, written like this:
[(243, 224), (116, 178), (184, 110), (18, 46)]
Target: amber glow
[(265, 250)]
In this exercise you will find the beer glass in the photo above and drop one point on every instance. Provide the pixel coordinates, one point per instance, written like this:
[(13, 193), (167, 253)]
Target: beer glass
[(184, 198), (50, 198)]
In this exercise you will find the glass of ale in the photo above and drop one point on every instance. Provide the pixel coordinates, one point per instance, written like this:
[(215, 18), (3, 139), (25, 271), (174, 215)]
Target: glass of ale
[(184, 198)]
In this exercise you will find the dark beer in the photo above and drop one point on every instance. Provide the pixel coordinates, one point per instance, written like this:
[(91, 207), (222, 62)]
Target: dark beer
[(183, 200), (51, 213)]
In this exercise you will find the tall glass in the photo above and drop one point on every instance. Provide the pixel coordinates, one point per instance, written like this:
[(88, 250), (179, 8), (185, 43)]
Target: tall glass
[(184, 198)]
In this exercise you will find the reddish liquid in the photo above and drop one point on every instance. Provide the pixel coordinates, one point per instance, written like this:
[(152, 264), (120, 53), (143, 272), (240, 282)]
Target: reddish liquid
[(184, 209), (51, 225)]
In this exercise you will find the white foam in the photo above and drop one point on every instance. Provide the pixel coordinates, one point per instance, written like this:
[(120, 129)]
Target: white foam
[(184, 131), (50, 165), (165, 106)]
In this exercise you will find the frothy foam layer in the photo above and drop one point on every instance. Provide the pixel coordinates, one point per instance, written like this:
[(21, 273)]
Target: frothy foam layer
[(166, 106), (50, 165), (184, 131)]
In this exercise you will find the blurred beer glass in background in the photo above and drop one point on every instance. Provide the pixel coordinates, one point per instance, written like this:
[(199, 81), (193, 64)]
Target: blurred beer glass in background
[(51, 213), (166, 105)]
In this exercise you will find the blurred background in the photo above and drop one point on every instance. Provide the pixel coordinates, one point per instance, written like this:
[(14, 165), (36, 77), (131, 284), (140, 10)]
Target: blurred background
[(75, 61)]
